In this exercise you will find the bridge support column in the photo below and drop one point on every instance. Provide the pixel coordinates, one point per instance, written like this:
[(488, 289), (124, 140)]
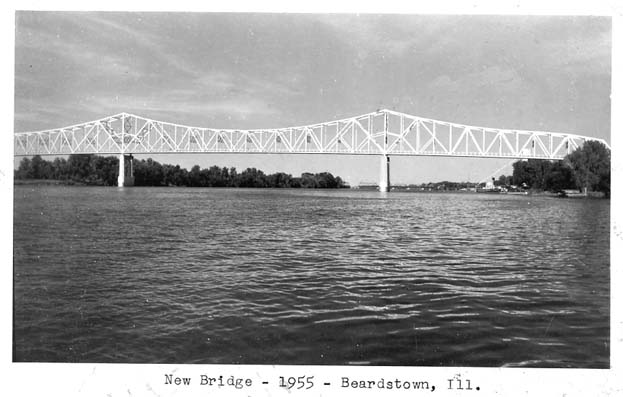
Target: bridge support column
[(384, 184), (129, 180), (122, 179)]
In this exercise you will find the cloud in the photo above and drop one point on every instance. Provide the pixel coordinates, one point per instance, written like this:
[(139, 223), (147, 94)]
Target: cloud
[(232, 84), (137, 36), (217, 95), (590, 54), (289, 69), (46, 60), (491, 78), (566, 42), (481, 97), (366, 33), (106, 63)]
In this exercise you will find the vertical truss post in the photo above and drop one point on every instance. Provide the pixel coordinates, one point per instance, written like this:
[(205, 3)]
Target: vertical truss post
[(450, 145), (121, 175), (385, 124), (567, 145), (122, 133)]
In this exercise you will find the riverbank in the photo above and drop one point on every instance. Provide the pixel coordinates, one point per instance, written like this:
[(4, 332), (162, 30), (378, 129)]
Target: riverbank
[(527, 193), (537, 193), (69, 182), (52, 182)]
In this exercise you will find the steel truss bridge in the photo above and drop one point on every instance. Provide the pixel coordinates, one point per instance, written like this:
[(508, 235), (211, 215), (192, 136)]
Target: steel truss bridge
[(384, 133)]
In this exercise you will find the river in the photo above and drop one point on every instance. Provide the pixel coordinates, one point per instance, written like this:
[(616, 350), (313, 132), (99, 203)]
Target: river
[(261, 276)]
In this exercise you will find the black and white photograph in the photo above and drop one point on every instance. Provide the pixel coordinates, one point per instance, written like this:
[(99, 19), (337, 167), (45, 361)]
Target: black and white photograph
[(312, 189)]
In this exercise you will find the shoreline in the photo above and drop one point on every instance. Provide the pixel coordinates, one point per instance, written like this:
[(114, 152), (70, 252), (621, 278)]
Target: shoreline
[(52, 182), (60, 182)]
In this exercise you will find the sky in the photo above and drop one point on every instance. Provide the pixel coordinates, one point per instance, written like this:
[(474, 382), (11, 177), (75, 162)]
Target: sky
[(242, 70)]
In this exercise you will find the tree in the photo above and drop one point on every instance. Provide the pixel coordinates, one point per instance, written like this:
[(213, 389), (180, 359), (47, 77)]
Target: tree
[(587, 167), (339, 182), (104, 171), (252, 177), (559, 177), (591, 166), (233, 177), (79, 167), (531, 172), (59, 166), (96, 170), (503, 180), (24, 169), (280, 180), (39, 168), (194, 176), (308, 181)]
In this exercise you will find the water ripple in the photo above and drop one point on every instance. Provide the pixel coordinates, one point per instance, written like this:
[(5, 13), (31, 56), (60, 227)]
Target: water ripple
[(309, 277)]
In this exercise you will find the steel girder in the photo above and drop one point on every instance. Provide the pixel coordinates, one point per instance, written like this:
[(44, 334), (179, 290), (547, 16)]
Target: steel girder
[(382, 132)]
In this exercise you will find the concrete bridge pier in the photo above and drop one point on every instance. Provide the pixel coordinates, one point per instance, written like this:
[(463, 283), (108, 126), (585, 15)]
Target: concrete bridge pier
[(384, 184), (122, 179)]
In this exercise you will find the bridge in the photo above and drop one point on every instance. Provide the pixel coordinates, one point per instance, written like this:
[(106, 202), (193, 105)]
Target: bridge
[(383, 133)]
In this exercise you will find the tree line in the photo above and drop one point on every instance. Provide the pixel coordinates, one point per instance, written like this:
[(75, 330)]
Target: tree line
[(103, 171), (586, 167)]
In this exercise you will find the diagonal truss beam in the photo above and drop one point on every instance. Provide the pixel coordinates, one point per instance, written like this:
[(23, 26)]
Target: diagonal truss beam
[(383, 132)]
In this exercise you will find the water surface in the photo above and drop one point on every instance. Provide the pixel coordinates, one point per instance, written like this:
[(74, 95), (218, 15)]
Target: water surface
[(254, 276)]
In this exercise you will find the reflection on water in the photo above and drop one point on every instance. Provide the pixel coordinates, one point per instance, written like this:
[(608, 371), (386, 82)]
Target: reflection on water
[(309, 277)]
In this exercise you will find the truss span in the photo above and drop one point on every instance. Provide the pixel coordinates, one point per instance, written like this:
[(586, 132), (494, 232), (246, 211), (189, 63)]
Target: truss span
[(383, 132)]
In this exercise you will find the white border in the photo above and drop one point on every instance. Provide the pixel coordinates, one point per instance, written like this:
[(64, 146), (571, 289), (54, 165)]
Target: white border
[(148, 380)]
